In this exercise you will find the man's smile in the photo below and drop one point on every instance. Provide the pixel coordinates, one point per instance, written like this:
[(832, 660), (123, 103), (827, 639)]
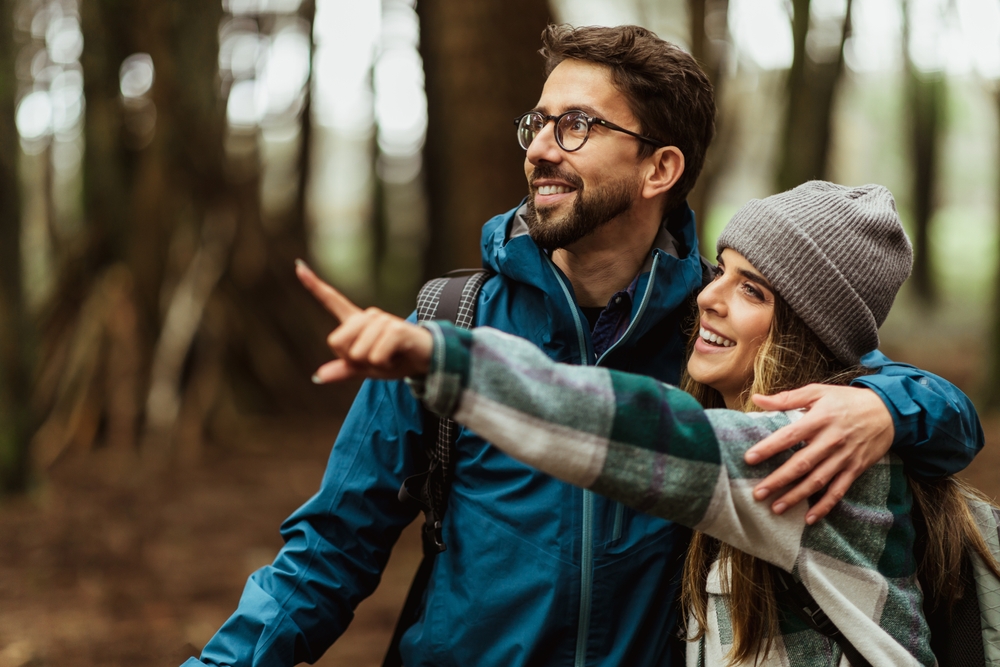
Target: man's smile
[(551, 191), (554, 189)]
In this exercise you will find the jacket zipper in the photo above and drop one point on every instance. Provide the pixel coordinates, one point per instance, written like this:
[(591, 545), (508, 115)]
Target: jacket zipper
[(616, 533), (638, 315), (587, 543), (587, 537)]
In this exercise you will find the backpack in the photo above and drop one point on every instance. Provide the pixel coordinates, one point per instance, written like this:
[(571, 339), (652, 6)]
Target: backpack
[(452, 297), (966, 636)]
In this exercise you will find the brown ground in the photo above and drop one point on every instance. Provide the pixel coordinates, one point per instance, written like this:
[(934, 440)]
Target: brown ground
[(108, 565)]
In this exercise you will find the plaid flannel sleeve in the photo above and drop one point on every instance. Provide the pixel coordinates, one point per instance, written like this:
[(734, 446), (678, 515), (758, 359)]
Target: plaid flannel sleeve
[(639, 441)]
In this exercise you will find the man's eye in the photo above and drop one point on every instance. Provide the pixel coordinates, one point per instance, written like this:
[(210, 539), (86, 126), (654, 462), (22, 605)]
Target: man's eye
[(578, 125)]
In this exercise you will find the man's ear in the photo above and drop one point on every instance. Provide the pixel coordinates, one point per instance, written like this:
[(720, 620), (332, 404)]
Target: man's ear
[(663, 169)]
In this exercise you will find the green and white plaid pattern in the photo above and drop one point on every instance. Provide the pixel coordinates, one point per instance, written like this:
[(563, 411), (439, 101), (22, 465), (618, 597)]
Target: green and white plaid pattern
[(653, 447)]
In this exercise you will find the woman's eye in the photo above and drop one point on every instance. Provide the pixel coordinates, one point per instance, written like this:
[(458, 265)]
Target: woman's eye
[(717, 272), (752, 290)]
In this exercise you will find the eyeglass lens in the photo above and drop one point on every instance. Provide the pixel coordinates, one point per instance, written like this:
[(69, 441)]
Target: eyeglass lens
[(571, 129)]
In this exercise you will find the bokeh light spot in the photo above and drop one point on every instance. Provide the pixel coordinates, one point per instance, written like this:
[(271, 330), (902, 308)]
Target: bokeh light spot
[(136, 75), (64, 40), (34, 116)]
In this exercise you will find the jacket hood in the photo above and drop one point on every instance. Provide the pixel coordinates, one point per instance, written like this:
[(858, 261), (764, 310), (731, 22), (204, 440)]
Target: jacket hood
[(671, 273)]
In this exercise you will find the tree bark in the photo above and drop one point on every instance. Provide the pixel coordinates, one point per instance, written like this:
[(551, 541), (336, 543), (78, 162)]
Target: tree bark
[(482, 70), (214, 317), (811, 87), (709, 40), (15, 327), (991, 389), (926, 100), (926, 97)]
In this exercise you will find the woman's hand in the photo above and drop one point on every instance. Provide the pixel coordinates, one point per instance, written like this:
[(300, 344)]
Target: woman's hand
[(369, 343)]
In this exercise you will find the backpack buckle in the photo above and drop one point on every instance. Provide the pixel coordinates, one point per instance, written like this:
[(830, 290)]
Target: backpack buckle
[(433, 540)]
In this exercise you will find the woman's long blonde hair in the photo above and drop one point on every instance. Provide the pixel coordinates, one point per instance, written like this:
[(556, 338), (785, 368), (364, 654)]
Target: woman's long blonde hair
[(792, 356)]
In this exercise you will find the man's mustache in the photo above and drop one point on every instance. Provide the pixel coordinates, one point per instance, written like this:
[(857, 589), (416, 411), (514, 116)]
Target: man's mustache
[(544, 171)]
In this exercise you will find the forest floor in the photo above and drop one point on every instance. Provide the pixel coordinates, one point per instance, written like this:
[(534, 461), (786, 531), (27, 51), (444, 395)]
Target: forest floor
[(109, 564)]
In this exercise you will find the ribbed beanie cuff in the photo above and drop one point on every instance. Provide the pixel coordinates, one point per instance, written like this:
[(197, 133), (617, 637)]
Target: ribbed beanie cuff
[(836, 255)]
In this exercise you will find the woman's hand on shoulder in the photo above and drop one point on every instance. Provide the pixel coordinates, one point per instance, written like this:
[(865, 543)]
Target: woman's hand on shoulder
[(846, 431), (368, 343)]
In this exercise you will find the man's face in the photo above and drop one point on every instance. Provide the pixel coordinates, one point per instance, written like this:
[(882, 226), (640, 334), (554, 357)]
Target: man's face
[(572, 194)]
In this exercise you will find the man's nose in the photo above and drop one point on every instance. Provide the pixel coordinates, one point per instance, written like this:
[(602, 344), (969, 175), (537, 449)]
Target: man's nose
[(544, 147)]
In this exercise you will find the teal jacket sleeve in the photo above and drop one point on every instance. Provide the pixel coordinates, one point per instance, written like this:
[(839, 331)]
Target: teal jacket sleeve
[(937, 428), (336, 544)]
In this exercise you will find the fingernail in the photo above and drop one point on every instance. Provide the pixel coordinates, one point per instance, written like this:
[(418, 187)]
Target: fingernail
[(761, 493), (301, 263), (811, 519), (317, 379), (779, 508), (752, 457)]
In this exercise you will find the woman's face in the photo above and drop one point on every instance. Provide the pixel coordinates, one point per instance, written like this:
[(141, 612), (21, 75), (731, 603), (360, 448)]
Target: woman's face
[(736, 310)]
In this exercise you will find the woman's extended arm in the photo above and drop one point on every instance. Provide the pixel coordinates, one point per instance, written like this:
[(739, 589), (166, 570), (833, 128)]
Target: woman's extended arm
[(631, 438), (636, 440)]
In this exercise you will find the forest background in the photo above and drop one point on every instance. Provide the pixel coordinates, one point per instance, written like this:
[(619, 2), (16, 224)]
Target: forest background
[(163, 162)]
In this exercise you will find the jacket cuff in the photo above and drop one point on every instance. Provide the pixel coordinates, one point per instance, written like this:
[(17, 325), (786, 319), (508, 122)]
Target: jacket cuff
[(904, 410), (441, 389)]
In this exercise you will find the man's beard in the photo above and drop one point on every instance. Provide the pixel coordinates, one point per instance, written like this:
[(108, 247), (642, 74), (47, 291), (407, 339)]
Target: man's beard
[(589, 213)]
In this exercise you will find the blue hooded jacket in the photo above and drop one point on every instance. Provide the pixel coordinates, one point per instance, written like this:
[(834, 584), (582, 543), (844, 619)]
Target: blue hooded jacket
[(537, 572)]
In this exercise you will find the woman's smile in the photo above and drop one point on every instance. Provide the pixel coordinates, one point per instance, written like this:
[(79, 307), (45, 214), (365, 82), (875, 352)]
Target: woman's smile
[(708, 338)]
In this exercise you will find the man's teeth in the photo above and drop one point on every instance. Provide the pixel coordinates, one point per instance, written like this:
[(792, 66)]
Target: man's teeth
[(553, 189), (715, 338)]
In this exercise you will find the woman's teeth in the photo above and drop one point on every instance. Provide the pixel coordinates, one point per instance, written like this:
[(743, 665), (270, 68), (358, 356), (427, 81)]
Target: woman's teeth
[(714, 339), (553, 189)]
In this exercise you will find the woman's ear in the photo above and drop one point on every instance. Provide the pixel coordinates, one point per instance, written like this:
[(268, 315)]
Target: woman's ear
[(663, 169)]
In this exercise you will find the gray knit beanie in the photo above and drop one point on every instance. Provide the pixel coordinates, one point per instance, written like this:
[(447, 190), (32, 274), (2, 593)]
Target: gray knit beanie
[(836, 255)]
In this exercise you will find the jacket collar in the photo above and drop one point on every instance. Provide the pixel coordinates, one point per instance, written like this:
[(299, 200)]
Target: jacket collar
[(672, 270)]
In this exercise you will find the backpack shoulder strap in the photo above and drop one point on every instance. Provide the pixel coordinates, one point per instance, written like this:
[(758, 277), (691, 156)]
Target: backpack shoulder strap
[(452, 297), (987, 518), (804, 605)]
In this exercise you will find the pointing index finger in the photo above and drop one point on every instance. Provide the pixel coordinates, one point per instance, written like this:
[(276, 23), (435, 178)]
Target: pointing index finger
[(333, 301)]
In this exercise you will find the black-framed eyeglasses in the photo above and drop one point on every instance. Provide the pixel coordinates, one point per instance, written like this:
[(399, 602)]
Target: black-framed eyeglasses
[(572, 129)]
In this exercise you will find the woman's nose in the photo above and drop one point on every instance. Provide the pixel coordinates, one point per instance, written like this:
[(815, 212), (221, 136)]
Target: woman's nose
[(712, 297)]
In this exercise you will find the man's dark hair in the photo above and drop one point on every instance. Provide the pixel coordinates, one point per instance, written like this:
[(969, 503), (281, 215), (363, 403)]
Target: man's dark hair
[(667, 92)]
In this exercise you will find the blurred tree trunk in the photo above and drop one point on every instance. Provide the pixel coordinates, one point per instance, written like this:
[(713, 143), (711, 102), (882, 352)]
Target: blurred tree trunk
[(811, 86), (482, 70), (15, 328), (189, 304), (926, 96), (710, 46), (991, 391)]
